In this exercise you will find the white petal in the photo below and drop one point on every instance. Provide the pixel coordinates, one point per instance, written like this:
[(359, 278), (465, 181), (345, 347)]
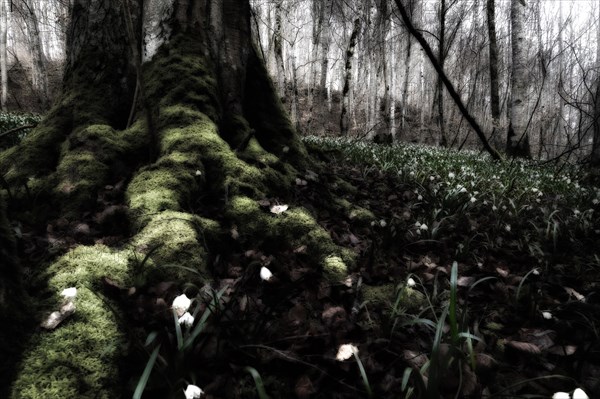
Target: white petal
[(579, 394), (193, 392), (424, 227), (547, 315), (561, 395), (410, 282), (265, 274), (277, 209), (345, 352), (69, 293), (181, 304), (186, 320)]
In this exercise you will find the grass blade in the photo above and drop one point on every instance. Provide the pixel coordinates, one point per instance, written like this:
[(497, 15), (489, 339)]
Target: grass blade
[(141, 385)]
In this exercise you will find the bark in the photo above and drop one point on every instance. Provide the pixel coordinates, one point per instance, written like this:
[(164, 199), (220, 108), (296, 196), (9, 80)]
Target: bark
[(382, 87), (493, 66), (3, 55), (406, 81), (595, 154), (40, 70), (440, 85), (517, 143), (223, 143), (278, 49), (457, 100), (324, 40), (345, 114)]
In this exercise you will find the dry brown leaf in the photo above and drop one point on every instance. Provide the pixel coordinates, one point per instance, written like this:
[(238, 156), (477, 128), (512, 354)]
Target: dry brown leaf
[(304, 387), (502, 272), (465, 281), (415, 359), (563, 350), (524, 347)]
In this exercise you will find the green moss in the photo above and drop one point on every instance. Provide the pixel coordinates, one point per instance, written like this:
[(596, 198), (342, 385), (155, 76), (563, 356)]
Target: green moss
[(293, 228), (379, 297), (335, 268), (179, 241), (80, 357), (353, 212), (76, 360)]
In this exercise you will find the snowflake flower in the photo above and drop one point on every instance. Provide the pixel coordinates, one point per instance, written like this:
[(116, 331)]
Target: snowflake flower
[(69, 293), (451, 175), (424, 227), (579, 394), (187, 320), (507, 227), (547, 315), (410, 282), (181, 304), (193, 392), (345, 352), (265, 274)]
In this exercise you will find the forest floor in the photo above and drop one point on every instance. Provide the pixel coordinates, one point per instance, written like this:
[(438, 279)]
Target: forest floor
[(473, 279)]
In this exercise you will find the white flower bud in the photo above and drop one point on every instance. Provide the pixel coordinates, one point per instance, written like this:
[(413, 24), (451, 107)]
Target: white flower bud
[(193, 392), (187, 320), (181, 304), (345, 352), (265, 274)]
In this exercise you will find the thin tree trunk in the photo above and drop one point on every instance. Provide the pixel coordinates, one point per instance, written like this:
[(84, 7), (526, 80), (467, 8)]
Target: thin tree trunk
[(278, 49), (440, 86), (404, 103), (595, 156), (382, 87), (39, 71), (346, 104), (493, 67), (517, 143), (3, 54)]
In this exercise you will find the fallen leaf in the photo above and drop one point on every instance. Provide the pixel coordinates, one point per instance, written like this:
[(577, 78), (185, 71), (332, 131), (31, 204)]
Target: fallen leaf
[(465, 281), (525, 347), (560, 350)]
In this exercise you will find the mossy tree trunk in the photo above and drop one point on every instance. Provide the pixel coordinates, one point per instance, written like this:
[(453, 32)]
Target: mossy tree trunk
[(222, 142)]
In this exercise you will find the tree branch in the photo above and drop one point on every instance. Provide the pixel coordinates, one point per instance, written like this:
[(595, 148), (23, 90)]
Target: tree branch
[(455, 96)]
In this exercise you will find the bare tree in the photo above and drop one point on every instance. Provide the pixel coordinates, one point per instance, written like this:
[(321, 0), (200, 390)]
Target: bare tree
[(517, 143)]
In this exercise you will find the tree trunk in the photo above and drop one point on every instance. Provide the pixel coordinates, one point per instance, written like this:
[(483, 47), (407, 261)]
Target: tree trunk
[(493, 67), (345, 114), (517, 143), (278, 49), (324, 45), (404, 102), (440, 85), (223, 142), (595, 155), (382, 87), (3, 55), (40, 71)]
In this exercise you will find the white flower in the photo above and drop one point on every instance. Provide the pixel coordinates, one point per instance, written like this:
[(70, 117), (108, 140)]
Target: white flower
[(417, 224), (187, 320), (561, 395), (494, 208), (424, 227), (507, 227), (536, 272), (451, 175), (277, 209), (345, 352), (198, 173), (382, 223), (547, 315), (576, 211), (265, 274), (410, 282), (579, 394), (181, 304), (193, 392), (473, 199), (432, 178), (69, 293), (420, 197), (595, 201)]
